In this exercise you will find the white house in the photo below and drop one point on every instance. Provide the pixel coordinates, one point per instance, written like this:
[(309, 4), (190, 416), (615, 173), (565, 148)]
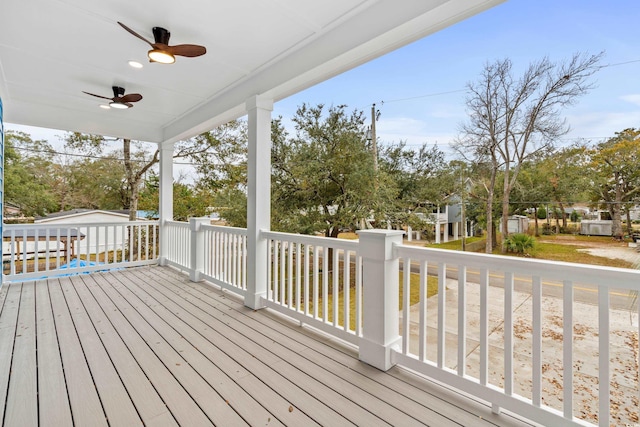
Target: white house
[(96, 238)]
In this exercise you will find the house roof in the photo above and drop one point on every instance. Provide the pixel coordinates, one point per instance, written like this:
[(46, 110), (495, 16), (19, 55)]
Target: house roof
[(52, 50), (81, 212)]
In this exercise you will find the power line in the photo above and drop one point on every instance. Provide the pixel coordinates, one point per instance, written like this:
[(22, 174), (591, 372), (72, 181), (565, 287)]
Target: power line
[(428, 95)]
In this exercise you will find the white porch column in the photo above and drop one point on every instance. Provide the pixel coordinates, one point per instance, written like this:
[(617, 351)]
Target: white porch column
[(380, 271), (409, 233), (258, 198), (446, 223), (456, 235), (166, 198)]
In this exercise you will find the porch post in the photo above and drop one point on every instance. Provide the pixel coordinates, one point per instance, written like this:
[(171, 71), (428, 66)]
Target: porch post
[(380, 271), (446, 224), (166, 198), (258, 198)]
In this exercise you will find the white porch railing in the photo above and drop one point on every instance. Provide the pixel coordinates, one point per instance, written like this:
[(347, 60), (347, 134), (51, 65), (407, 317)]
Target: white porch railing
[(472, 340), (215, 253), (178, 246), (497, 328), (316, 281), (33, 251)]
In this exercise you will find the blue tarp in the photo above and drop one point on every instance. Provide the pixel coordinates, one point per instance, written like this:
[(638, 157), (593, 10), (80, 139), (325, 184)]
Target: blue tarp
[(76, 263)]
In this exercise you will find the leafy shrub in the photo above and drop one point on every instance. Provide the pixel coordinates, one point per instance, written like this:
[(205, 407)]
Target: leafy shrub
[(519, 243), (542, 213)]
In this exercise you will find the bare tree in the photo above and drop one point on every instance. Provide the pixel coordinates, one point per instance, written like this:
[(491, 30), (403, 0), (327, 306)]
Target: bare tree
[(512, 119)]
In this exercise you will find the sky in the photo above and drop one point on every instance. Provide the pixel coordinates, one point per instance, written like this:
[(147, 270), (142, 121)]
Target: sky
[(420, 89)]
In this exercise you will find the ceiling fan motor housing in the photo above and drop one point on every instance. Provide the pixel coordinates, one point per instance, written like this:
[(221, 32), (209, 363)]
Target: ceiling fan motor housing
[(118, 91), (161, 35)]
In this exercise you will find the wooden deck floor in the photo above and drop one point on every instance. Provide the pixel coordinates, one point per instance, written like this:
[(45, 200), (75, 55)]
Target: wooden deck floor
[(147, 347)]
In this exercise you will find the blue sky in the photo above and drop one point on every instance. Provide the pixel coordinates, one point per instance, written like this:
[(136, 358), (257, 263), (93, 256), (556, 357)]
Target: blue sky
[(422, 85)]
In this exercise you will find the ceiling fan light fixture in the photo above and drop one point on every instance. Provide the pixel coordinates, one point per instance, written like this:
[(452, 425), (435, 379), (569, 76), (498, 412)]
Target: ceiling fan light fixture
[(118, 105), (157, 55)]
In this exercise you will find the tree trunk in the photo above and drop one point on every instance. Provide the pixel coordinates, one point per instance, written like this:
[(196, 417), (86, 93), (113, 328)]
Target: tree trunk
[(615, 209), (535, 219), (628, 214), (505, 208), (490, 227)]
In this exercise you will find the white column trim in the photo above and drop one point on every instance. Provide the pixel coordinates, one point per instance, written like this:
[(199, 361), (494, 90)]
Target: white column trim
[(258, 198), (165, 204)]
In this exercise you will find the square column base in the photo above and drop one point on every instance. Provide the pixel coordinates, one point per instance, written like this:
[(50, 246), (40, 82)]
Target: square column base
[(377, 355)]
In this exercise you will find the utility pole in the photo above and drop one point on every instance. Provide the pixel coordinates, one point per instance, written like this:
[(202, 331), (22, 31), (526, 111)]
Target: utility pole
[(374, 146)]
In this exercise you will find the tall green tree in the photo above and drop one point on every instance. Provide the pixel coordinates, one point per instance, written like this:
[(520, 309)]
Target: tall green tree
[(28, 174), (211, 152), (513, 118), (188, 200), (616, 169), (323, 177)]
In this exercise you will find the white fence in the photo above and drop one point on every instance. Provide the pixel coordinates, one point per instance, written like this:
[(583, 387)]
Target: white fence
[(32, 251)]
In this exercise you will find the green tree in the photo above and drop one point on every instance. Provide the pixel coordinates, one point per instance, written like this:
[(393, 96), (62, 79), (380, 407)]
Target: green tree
[(27, 175), (512, 119), (210, 152), (323, 178), (616, 168), (414, 180), (188, 200), (136, 162)]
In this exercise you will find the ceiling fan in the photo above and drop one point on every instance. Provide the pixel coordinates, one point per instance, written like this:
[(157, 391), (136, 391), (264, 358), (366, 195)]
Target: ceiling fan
[(164, 53), (119, 100)]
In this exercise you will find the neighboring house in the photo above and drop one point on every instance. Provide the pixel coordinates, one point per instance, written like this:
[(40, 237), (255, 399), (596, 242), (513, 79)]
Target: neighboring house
[(96, 239), (447, 221)]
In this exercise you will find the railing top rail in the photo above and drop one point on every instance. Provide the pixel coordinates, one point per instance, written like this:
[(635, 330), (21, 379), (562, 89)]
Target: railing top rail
[(225, 229), (177, 224), (551, 270), (66, 225), (350, 245)]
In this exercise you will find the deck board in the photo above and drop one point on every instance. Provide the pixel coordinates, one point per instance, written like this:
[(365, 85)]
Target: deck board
[(8, 322), (217, 367), (53, 401), (171, 352), (83, 396), (215, 385), (117, 405), (362, 407), (144, 396), (22, 403), (181, 404)]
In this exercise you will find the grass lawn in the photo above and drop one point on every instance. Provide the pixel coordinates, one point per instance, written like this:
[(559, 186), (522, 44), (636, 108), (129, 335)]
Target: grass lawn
[(561, 247)]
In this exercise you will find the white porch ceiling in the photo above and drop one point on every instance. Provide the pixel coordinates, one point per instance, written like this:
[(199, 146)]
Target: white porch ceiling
[(52, 50)]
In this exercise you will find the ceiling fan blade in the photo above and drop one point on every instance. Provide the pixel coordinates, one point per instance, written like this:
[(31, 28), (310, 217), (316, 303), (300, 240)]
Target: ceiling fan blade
[(128, 104), (131, 97), (134, 33), (189, 50), (98, 96)]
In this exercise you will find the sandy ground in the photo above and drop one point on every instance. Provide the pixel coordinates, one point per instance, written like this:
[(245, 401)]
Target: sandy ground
[(629, 254)]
